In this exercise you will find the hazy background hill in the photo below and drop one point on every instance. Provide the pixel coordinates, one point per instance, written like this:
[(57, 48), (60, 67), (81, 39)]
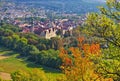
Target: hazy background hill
[(61, 0), (66, 6)]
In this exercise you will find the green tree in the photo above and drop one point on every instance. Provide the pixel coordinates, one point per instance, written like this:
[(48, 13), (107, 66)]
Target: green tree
[(112, 10), (56, 43), (41, 46), (6, 41), (109, 63), (32, 41), (37, 75), (20, 76), (106, 25), (21, 44), (15, 38), (33, 75), (11, 27), (49, 58)]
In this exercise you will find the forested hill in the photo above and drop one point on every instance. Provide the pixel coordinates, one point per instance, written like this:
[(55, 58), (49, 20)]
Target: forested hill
[(68, 6)]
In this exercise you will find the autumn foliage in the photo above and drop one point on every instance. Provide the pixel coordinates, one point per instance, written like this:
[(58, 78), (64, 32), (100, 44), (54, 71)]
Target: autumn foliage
[(77, 66), (93, 48)]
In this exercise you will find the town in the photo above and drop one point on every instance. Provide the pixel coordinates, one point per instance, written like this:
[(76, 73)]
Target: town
[(45, 23)]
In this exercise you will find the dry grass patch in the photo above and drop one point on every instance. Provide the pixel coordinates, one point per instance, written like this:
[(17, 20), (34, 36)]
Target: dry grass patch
[(5, 76)]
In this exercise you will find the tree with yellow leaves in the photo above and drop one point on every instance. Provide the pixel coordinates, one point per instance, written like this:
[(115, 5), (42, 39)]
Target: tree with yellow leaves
[(78, 66)]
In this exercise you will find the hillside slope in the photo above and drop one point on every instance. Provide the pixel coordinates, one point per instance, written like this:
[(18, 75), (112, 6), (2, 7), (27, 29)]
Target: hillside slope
[(68, 6)]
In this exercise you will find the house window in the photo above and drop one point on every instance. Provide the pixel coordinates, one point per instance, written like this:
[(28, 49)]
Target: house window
[(49, 31)]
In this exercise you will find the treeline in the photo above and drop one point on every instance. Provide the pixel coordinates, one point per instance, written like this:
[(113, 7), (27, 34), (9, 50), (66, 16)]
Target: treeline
[(38, 50)]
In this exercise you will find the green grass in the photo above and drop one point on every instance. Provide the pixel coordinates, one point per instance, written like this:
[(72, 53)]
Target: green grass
[(14, 63)]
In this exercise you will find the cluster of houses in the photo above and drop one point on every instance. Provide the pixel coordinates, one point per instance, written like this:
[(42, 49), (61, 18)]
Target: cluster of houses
[(48, 28), (12, 11)]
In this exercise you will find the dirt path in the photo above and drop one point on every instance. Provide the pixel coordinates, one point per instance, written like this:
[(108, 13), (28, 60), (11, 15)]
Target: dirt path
[(5, 76), (3, 57)]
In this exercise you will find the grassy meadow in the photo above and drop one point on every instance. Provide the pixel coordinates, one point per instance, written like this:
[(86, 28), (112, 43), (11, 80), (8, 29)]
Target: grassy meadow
[(11, 61)]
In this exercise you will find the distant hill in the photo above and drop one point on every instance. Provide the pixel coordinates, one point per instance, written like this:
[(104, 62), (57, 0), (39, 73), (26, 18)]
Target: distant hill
[(68, 6), (60, 0)]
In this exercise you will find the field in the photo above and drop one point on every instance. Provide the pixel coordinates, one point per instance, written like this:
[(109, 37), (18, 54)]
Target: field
[(11, 61)]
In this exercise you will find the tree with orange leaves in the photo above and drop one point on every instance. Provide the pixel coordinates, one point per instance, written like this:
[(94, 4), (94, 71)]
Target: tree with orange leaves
[(78, 67)]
